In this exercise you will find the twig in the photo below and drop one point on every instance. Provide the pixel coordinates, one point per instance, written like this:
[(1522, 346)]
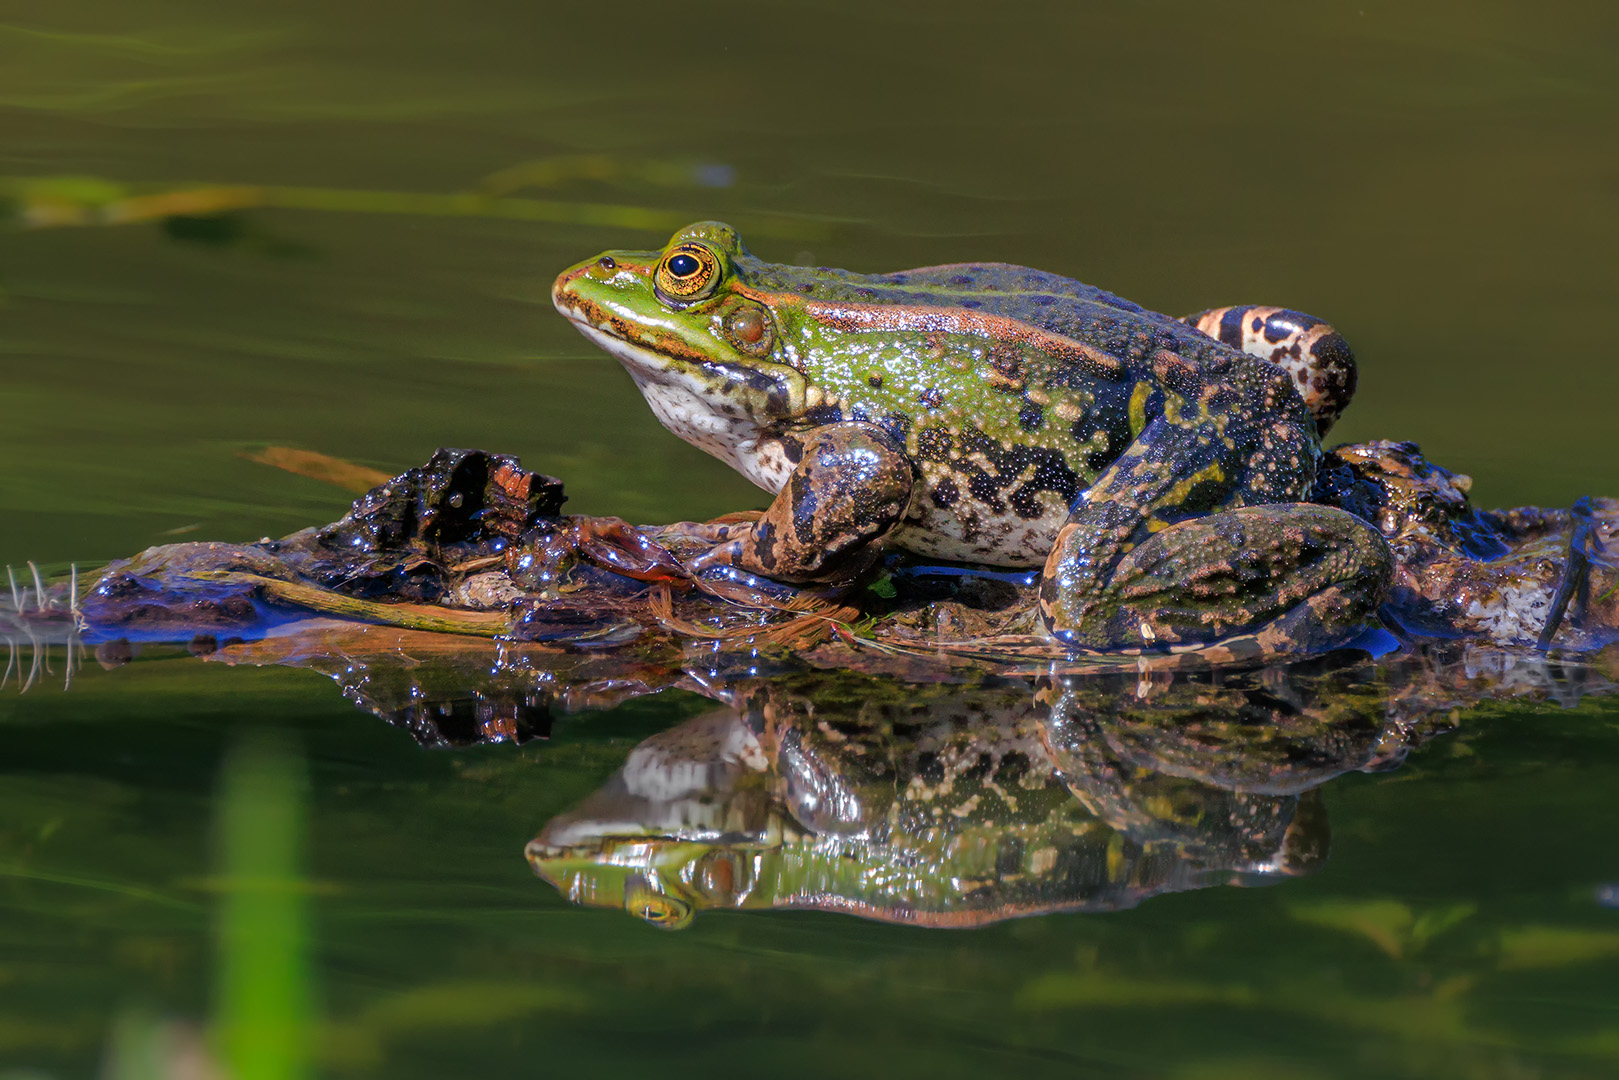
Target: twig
[(409, 616)]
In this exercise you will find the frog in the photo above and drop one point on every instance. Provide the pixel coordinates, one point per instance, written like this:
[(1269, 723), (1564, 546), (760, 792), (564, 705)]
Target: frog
[(1154, 470)]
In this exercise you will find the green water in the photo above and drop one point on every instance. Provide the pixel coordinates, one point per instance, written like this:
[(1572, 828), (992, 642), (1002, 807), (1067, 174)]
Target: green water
[(1437, 179)]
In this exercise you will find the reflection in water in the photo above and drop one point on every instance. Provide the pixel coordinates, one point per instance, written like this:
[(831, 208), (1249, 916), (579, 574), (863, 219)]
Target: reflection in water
[(933, 803), (960, 806), (955, 807), (926, 801)]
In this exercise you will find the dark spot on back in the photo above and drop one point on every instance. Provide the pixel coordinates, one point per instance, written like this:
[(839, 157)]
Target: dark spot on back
[(934, 444), (1025, 501), (961, 279), (1031, 416), (930, 768), (931, 397), (985, 488), (1009, 858), (824, 414), (979, 768), (1097, 460), (1231, 328), (945, 493), (1013, 768)]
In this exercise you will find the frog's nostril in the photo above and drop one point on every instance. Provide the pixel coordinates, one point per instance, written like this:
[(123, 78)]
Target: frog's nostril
[(606, 262)]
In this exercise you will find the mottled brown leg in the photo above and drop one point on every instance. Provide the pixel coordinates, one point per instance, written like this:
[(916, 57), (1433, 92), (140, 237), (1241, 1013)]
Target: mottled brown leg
[(1317, 357), (1195, 535), (848, 491)]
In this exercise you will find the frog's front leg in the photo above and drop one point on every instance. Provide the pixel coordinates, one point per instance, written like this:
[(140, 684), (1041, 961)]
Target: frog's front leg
[(1309, 349), (851, 486), (1191, 537)]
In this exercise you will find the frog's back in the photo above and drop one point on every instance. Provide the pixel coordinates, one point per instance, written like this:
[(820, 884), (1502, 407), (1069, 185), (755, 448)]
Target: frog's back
[(1051, 302)]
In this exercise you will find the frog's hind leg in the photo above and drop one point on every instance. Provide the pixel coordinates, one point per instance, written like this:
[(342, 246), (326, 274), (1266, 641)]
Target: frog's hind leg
[(1194, 536), (1310, 350), (1303, 577)]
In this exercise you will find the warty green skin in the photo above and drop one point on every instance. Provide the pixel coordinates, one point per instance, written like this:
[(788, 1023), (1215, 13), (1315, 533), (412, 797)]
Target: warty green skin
[(997, 415)]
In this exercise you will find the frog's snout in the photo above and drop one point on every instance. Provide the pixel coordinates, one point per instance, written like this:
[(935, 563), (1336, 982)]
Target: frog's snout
[(579, 291), (564, 290)]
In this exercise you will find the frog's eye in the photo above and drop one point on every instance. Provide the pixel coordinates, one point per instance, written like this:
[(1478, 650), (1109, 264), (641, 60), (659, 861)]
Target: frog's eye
[(689, 272), (660, 909)]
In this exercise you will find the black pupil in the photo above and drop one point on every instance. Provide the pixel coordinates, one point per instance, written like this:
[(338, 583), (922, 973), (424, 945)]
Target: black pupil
[(684, 266)]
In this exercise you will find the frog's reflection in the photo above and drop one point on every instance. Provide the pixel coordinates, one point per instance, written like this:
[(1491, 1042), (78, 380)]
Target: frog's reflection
[(954, 806), (894, 795)]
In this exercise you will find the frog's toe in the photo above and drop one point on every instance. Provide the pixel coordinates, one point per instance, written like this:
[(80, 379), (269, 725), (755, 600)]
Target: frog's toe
[(1312, 351), (1302, 577)]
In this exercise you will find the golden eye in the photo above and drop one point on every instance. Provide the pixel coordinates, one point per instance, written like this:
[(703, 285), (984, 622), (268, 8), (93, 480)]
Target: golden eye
[(660, 909), (688, 273)]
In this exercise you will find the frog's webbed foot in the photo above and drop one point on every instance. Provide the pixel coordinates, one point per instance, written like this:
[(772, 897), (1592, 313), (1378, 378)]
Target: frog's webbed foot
[(1192, 537), (1316, 355), (1309, 576), (1585, 546), (850, 488)]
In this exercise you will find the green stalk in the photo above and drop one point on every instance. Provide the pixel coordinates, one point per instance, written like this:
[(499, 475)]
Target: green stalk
[(262, 1015)]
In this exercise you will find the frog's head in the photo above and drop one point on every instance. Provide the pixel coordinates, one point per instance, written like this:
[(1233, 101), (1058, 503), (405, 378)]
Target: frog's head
[(704, 348), (660, 880)]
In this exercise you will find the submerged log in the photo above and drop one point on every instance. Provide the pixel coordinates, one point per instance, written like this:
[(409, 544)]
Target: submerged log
[(472, 543)]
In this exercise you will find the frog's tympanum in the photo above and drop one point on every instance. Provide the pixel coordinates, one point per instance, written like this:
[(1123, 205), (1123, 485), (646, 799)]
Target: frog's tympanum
[(1156, 469), (960, 806)]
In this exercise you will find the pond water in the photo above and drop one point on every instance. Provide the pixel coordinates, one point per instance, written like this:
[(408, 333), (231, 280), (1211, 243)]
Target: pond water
[(1431, 177)]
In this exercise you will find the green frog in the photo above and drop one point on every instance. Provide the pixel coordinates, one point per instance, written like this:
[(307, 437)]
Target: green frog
[(1153, 468)]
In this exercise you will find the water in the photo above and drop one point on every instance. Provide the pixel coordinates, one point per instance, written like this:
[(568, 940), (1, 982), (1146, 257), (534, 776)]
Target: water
[(1432, 178)]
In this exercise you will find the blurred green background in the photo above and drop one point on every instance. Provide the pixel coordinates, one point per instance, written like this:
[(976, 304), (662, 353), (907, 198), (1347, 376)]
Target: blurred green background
[(1438, 179)]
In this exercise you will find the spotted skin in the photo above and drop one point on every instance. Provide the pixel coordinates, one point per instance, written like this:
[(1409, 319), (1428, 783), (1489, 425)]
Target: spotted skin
[(1044, 422), (1311, 351)]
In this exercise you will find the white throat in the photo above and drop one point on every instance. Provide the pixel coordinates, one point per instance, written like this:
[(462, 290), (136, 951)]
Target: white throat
[(689, 406)]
